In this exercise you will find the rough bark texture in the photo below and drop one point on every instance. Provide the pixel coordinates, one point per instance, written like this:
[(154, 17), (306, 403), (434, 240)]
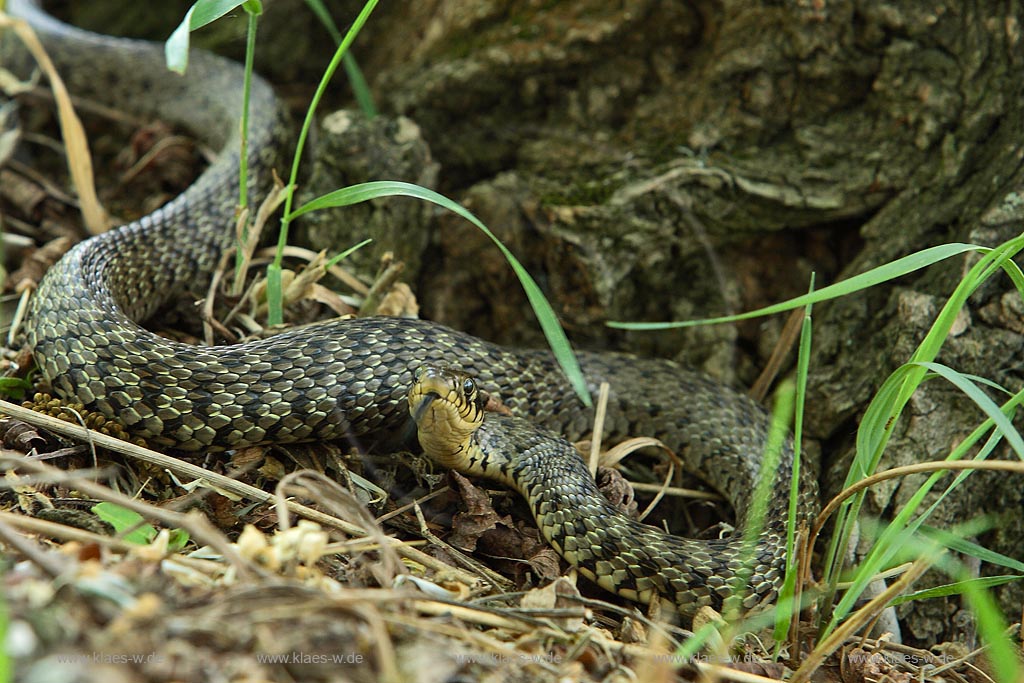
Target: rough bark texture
[(352, 149), (669, 160)]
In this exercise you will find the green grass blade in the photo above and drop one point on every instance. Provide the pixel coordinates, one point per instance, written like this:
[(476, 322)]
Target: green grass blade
[(876, 427), (962, 545), (992, 625), (899, 534), (957, 588), (887, 406), (243, 156), (782, 417), (872, 424), (546, 316), (360, 89), (884, 273), (274, 308), (348, 252), (788, 590), (6, 667), (275, 295), (987, 405), (875, 276), (993, 629)]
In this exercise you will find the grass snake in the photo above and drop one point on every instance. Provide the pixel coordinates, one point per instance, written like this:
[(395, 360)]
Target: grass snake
[(351, 378)]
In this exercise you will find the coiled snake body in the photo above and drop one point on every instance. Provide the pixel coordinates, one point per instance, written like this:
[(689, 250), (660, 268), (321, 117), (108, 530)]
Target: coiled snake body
[(350, 379)]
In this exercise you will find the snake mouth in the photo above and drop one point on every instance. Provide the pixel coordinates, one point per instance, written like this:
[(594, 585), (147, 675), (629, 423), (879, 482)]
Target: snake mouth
[(421, 404), (431, 403)]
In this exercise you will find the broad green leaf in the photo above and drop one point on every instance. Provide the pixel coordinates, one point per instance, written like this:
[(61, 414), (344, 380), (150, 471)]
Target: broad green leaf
[(179, 538), (123, 519), (200, 14), (14, 387)]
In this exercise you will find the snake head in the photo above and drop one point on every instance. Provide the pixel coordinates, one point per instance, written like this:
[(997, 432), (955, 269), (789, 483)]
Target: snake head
[(448, 407)]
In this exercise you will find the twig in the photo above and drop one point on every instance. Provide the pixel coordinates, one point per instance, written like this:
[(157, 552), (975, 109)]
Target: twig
[(918, 468), (790, 333), (599, 416), (380, 287)]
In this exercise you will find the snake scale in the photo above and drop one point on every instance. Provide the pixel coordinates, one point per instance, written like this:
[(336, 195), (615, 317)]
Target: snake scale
[(350, 379)]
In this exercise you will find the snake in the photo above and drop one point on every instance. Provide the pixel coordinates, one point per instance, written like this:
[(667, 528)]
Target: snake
[(350, 379), (639, 562)]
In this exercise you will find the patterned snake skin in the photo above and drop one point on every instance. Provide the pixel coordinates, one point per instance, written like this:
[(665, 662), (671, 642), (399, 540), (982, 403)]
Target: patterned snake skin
[(350, 379)]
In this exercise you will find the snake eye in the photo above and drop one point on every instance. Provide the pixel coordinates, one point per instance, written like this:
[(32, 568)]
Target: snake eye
[(468, 387)]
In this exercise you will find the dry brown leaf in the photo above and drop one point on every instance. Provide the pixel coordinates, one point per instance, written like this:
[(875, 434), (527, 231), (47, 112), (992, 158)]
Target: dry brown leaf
[(479, 516), (559, 594), (20, 436), (617, 490), (399, 302), (546, 564), (331, 299)]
